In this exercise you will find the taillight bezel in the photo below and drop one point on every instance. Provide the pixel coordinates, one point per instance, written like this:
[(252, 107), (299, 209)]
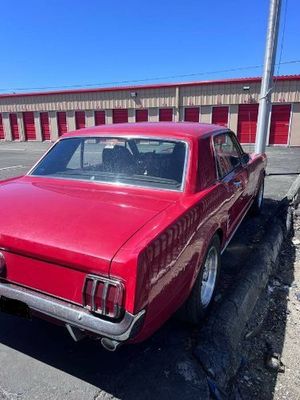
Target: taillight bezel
[(107, 283)]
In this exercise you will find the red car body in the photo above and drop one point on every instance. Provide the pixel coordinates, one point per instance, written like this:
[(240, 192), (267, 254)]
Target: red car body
[(55, 233)]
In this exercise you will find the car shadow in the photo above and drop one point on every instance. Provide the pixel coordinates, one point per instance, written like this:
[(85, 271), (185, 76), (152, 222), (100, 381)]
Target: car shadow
[(248, 235), (161, 367)]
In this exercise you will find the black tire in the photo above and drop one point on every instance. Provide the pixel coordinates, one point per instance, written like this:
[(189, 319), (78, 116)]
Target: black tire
[(259, 200), (194, 309)]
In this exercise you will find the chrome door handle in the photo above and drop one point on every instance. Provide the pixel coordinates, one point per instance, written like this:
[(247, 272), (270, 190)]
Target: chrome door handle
[(237, 184)]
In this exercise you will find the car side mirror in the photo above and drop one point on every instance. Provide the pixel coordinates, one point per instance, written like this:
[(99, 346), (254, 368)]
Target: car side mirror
[(245, 158)]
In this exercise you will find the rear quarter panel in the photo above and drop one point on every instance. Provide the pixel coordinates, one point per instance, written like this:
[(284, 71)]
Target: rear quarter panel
[(159, 265)]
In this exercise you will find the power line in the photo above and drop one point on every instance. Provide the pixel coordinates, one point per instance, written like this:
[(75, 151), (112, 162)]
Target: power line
[(146, 79), (281, 46)]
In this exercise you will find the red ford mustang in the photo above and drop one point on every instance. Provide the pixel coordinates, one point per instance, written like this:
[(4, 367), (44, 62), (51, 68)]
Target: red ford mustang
[(119, 226)]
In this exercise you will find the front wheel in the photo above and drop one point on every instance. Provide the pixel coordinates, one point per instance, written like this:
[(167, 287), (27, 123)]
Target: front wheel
[(204, 288)]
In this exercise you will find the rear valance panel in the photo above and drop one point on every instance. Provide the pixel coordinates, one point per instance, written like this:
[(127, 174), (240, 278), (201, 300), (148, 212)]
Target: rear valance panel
[(55, 280)]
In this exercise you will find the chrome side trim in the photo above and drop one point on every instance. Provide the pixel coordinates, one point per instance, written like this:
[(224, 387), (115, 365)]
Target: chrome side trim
[(93, 294), (104, 297), (74, 315)]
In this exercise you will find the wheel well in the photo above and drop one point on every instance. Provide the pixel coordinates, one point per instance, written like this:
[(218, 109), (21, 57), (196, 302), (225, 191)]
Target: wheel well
[(220, 234)]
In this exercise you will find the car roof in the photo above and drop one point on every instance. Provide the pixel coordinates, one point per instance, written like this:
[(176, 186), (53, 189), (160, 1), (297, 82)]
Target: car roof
[(178, 130)]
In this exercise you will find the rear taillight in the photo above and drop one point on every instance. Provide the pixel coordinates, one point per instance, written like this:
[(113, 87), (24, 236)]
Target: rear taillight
[(103, 296), (2, 263)]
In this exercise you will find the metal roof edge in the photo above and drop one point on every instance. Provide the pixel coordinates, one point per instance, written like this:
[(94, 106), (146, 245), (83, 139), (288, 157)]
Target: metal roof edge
[(152, 86)]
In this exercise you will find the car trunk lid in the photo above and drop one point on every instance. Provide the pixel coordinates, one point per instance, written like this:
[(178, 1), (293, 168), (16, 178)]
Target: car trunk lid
[(64, 225)]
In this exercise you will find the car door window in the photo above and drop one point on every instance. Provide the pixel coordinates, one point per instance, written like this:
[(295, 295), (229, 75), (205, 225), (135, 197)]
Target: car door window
[(227, 154)]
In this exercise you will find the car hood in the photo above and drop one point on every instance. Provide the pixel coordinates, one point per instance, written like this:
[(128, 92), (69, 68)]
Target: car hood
[(81, 225)]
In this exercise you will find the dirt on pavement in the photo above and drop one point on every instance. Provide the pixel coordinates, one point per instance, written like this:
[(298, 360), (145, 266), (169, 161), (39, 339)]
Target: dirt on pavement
[(270, 368)]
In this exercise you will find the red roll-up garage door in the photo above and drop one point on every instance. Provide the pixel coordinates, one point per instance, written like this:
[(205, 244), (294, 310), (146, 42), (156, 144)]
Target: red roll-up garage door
[(13, 119), (141, 115), (191, 114), (1, 128), (247, 121), (62, 123), (45, 126), (220, 116), (99, 117), (29, 127), (280, 123), (165, 114), (80, 119), (120, 115)]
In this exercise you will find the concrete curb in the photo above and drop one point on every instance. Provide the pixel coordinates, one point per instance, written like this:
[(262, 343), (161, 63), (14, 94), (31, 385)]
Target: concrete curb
[(219, 341), (293, 194)]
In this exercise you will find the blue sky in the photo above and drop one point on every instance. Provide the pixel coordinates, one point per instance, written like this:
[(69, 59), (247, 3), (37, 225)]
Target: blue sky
[(57, 43)]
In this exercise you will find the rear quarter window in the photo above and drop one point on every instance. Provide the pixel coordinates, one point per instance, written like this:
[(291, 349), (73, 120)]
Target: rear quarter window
[(227, 153)]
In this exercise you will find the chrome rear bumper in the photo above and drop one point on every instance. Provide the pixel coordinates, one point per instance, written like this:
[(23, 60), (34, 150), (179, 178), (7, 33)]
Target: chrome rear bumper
[(74, 315)]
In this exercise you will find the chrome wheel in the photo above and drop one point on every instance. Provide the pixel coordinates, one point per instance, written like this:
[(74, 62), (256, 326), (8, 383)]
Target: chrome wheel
[(209, 276), (198, 302)]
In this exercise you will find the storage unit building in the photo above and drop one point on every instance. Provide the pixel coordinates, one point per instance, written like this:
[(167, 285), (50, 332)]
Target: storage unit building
[(228, 102)]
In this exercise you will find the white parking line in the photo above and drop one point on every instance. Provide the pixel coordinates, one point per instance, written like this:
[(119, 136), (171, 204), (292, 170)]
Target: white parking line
[(9, 149), (12, 167)]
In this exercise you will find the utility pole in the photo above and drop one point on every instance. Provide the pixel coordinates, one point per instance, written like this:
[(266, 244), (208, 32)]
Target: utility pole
[(267, 78)]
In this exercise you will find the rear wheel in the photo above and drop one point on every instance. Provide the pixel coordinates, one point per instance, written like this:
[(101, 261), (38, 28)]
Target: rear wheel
[(259, 199), (204, 288)]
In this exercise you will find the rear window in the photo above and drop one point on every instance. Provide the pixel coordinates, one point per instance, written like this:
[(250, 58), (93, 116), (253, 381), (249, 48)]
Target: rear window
[(140, 162)]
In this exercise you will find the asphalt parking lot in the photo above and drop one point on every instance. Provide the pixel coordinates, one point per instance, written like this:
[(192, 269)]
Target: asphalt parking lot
[(40, 360), (17, 158)]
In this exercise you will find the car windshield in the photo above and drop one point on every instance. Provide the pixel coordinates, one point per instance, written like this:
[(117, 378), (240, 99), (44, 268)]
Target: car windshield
[(133, 161)]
